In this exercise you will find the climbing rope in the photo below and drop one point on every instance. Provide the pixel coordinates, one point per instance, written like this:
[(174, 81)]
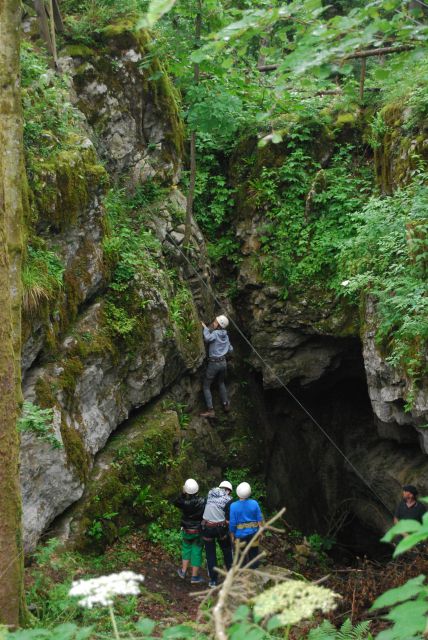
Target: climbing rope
[(281, 382)]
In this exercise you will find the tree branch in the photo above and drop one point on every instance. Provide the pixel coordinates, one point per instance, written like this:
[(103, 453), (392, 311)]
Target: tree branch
[(383, 51)]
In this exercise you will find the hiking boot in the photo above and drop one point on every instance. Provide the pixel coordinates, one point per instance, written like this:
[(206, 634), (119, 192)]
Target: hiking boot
[(209, 413), (226, 407), (181, 573), (212, 584), (196, 580)]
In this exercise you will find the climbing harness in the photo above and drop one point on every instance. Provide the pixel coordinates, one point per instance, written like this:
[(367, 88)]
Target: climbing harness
[(281, 382)]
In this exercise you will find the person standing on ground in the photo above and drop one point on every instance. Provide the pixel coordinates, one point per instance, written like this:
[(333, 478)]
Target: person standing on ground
[(409, 507), (218, 347), (215, 528), (245, 520), (192, 507)]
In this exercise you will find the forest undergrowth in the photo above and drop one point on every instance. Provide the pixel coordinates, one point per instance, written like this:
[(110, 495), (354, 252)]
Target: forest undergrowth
[(167, 600)]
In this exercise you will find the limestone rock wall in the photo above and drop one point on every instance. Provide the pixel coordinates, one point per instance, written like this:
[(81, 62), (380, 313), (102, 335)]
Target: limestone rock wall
[(76, 361), (307, 341), (135, 119), (96, 376)]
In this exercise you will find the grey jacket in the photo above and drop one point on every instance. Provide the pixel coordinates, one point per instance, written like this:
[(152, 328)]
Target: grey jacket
[(218, 341), (218, 505)]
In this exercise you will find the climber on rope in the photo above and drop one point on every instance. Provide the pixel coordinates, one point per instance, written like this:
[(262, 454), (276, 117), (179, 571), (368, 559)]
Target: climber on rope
[(219, 346), (192, 507), (215, 528), (245, 520)]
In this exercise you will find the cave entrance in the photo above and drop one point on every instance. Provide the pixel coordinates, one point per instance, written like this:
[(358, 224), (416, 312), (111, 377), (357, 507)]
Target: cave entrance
[(309, 476)]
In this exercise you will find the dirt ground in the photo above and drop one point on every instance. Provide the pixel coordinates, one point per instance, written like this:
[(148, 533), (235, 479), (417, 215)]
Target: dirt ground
[(165, 596), (168, 597)]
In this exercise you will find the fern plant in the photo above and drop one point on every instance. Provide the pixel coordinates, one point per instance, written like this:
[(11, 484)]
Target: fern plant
[(327, 631)]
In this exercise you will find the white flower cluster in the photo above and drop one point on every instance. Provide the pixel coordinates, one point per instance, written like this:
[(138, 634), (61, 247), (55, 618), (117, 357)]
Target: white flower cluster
[(103, 590), (293, 601)]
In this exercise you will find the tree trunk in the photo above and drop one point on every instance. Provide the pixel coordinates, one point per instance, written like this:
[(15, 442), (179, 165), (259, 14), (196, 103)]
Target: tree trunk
[(12, 189), (46, 21), (192, 178)]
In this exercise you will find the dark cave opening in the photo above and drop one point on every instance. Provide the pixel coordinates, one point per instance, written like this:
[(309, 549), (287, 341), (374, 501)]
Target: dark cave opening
[(308, 475)]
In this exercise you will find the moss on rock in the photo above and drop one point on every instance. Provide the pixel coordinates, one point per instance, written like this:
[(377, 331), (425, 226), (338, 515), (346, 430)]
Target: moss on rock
[(133, 480), (399, 148), (77, 456)]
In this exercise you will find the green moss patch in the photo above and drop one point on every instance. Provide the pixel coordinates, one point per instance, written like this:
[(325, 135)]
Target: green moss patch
[(77, 456), (138, 472)]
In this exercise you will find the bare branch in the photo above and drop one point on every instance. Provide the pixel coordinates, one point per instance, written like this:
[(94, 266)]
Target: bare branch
[(383, 51), (367, 53)]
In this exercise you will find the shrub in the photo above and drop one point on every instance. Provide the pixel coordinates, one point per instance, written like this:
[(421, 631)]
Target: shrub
[(42, 278), (40, 422)]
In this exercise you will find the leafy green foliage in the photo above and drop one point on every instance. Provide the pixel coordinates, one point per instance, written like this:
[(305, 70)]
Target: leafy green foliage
[(408, 603), (95, 530), (40, 422), (128, 245), (168, 539), (182, 411), (409, 610), (181, 310), (49, 117), (131, 251), (320, 544), (243, 626), (214, 110), (155, 10), (326, 631), (305, 233), (42, 277), (415, 532), (214, 200), (65, 631), (85, 19), (317, 50), (387, 257), (236, 476), (141, 629)]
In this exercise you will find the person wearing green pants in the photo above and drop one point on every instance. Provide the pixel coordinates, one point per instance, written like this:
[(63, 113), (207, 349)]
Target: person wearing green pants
[(192, 507)]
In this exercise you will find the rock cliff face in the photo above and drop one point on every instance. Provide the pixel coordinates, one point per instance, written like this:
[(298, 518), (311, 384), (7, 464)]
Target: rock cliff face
[(75, 359), (102, 376), (313, 345)]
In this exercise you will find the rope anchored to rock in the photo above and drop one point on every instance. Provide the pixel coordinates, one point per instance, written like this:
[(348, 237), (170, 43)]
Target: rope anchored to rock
[(282, 383)]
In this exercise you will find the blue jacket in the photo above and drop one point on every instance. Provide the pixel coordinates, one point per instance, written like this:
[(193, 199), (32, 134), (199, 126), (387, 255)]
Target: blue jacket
[(241, 512), (218, 340)]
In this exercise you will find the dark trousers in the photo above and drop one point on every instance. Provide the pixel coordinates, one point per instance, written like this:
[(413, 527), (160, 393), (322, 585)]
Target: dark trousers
[(215, 370), (251, 553), (210, 539)]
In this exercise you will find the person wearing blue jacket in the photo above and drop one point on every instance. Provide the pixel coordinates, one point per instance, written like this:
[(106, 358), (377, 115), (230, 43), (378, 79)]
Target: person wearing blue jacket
[(245, 520), (218, 347)]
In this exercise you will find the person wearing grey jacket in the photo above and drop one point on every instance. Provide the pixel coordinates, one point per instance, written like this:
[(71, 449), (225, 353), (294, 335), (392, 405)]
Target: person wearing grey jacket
[(215, 528), (218, 347)]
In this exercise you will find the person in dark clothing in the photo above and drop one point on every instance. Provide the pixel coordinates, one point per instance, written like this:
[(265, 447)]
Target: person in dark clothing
[(409, 508), (192, 507), (215, 528), (218, 347)]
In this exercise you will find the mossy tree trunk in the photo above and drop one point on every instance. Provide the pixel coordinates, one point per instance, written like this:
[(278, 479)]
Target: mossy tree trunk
[(12, 190)]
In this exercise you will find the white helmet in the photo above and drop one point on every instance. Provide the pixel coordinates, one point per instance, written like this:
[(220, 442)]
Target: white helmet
[(225, 484), (223, 321), (243, 490), (191, 486)]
